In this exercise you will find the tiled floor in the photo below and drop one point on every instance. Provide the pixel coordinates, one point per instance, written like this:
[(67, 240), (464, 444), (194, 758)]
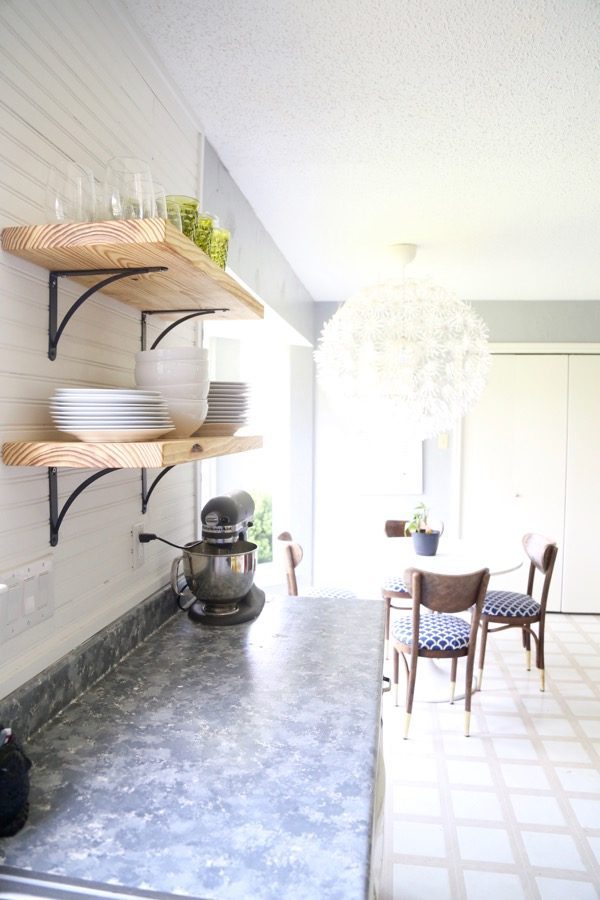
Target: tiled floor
[(513, 811)]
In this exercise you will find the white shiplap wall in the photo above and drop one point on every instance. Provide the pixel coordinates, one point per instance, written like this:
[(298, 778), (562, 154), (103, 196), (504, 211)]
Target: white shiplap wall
[(75, 83)]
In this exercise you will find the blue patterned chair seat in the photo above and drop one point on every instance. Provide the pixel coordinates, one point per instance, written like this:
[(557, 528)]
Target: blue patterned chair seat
[(394, 583), (332, 593), (437, 631), (509, 603)]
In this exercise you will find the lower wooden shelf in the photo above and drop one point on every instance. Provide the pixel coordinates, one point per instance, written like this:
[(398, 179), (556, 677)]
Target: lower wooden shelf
[(150, 454)]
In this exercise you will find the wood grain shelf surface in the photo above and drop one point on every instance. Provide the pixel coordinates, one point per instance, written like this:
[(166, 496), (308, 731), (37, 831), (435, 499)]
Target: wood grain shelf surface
[(192, 281), (150, 454)]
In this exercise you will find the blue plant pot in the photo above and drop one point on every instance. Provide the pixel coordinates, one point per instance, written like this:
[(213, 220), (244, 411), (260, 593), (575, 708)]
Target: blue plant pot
[(426, 543)]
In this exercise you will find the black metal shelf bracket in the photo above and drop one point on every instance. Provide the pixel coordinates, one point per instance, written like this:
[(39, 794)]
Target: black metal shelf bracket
[(146, 492), (189, 314), (56, 517), (54, 329)]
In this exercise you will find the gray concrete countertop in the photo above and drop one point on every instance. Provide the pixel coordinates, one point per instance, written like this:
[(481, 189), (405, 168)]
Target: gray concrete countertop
[(230, 762)]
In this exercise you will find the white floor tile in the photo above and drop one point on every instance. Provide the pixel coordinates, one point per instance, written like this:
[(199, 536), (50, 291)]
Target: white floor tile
[(514, 748), (419, 839), (552, 726), (532, 809), (542, 704), (579, 708), (522, 776), (586, 811), (591, 727), (484, 844), (560, 673), (594, 843), (548, 726), (576, 689), (410, 800), (508, 724), (552, 851), (575, 780), (493, 886), (563, 888), (589, 662), (459, 745), (566, 751), (468, 773), (482, 806), (417, 882)]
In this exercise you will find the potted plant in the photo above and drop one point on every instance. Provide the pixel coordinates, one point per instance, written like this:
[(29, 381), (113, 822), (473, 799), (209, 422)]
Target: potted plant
[(425, 538)]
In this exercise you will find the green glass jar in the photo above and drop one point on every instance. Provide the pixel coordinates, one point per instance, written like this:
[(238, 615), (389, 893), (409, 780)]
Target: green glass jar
[(219, 245), (188, 208), (204, 229)]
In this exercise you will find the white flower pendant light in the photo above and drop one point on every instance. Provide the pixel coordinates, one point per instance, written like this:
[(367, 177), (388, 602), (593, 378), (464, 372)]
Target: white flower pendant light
[(404, 356)]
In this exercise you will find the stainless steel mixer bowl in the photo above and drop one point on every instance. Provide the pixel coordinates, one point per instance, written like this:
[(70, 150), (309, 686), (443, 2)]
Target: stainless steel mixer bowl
[(219, 573)]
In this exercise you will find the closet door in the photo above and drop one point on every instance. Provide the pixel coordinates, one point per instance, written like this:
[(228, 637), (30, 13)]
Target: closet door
[(513, 459), (581, 572)]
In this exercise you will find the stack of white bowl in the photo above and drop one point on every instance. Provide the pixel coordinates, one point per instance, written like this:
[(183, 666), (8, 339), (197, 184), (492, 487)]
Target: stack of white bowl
[(181, 375)]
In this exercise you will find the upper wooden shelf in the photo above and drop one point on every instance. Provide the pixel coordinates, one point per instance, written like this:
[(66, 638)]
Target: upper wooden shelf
[(148, 454), (193, 280)]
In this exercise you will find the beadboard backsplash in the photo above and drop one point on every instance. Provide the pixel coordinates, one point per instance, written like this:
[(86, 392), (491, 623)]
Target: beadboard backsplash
[(75, 83)]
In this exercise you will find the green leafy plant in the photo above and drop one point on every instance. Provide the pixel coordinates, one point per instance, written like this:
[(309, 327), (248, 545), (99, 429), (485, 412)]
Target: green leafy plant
[(262, 528), (418, 522)]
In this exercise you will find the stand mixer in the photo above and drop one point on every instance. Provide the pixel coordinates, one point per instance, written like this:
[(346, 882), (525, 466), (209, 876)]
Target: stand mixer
[(219, 569)]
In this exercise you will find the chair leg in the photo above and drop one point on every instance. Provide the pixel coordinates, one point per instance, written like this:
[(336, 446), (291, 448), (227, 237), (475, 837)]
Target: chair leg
[(482, 644), (468, 690), (453, 669), (527, 648), (410, 693), (539, 661), (388, 612), (395, 670)]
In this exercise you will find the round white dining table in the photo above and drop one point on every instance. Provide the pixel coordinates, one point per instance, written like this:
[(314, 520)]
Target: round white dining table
[(453, 557)]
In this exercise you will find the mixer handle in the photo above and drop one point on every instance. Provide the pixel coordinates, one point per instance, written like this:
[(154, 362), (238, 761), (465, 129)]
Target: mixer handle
[(175, 584)]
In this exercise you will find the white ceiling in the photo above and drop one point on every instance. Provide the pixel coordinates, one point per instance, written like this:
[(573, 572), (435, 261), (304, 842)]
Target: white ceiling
[(468, 127)]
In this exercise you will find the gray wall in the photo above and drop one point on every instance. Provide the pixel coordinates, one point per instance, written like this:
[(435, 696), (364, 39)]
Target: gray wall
[(541, 322)]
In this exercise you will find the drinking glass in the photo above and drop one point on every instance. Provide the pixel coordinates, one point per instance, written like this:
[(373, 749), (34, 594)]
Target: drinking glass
[(174, 214), (219, 244), (204, 229), (129, 188), (160, 201), (188, 209), (70, 193)]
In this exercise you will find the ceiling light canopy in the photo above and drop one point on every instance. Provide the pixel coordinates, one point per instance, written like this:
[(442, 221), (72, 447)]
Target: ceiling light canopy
[(406, 355)]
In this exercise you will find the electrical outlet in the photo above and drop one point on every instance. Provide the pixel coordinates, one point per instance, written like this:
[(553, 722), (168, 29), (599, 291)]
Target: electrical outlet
[(26, 597), (137, 548)]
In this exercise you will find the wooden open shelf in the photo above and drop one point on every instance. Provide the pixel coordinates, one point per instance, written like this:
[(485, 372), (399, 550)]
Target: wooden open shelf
[(193, 280), (149, 454)]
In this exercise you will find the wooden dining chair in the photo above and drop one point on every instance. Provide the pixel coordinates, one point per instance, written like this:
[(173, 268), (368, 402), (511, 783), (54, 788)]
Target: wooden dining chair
[(435, 630), (394, 590), (292, 556), (509, 609)]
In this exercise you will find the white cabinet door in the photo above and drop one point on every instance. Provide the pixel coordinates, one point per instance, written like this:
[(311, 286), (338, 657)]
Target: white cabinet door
[(581, 565), (513, 458)]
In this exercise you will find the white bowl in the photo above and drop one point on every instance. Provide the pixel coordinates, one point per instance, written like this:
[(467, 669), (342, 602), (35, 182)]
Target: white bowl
[(195, 390), (193, 353), (170, 371), (187, 416)]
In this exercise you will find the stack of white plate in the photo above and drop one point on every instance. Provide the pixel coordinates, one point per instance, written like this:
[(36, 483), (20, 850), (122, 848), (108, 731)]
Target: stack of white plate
[(110, 414), (228, 404)]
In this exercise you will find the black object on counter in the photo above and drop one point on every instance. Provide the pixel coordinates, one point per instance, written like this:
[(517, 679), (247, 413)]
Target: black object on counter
[(14, 784)]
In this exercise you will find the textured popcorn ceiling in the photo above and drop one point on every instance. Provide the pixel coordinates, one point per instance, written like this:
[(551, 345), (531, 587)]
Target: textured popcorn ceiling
[(468, 127)]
